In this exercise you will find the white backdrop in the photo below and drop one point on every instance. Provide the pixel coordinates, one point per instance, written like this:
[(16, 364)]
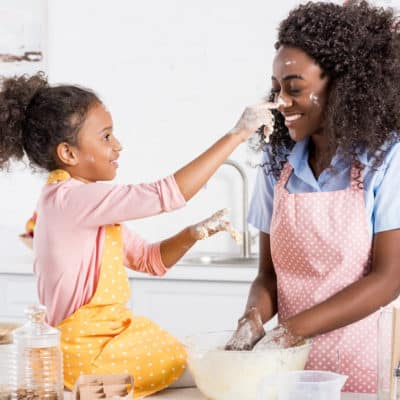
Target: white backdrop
[(176, 75)]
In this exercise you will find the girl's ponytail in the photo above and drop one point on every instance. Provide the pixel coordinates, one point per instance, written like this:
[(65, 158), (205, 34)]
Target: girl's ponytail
[(15, 95)]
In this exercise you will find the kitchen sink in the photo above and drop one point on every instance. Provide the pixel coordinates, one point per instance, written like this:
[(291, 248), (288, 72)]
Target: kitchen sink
[(251, 261)]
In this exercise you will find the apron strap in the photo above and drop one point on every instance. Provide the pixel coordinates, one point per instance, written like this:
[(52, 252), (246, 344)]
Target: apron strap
[(285, 175), (58, 175), (356, 176)]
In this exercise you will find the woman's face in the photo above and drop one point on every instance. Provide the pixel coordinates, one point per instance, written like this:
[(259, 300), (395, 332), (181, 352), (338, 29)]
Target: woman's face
[(300, 89)]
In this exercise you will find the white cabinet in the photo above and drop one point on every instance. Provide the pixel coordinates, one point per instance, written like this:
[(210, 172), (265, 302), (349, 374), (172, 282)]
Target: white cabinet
[(187, 300), (17, 292), (185, 307)]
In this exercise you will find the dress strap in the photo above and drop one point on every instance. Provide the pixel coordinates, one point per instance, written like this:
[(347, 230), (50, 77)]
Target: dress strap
[(58, 175)]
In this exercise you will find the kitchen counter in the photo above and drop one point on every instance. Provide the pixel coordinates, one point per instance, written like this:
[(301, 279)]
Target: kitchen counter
[(194, 394), (21, 263)]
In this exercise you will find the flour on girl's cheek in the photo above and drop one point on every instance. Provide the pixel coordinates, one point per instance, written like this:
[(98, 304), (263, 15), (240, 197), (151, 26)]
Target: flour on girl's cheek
[(90, 158)]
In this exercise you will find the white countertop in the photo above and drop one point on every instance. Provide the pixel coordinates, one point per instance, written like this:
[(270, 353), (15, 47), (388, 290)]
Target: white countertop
[(18, 259), (194, 394)]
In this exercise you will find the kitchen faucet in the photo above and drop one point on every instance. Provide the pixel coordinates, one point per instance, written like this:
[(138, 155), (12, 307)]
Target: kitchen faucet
[(245, 188)]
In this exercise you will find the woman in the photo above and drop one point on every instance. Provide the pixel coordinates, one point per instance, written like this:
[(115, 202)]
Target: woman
[(326, 199)]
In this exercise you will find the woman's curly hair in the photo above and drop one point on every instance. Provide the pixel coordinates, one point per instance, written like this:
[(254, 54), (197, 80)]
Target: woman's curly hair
[(35, 118), (358, 47)]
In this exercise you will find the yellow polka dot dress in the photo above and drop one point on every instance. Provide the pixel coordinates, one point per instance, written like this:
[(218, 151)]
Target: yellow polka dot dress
[(103, 336)]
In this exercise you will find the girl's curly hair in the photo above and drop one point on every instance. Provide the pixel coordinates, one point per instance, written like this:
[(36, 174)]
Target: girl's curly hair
[(358, 47), (35, 118)]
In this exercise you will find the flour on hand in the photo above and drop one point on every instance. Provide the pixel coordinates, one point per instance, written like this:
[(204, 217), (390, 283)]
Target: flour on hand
[(216, 223)]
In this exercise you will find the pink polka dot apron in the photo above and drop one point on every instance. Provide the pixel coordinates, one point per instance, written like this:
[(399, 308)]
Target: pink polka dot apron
[(103, 337), (320, 244)]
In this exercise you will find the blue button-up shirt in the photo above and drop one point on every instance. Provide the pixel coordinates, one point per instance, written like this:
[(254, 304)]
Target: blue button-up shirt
[(381, 186)]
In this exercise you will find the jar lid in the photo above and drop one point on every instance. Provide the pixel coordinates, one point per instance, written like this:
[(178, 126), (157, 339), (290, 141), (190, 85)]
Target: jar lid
[(36, 332)]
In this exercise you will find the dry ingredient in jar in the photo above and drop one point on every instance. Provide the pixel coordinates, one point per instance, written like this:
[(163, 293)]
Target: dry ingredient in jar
[(5, 392), (39, 358), (30, 394)]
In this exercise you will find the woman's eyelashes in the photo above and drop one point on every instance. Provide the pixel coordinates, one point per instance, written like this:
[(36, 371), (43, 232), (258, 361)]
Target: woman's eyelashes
[(293, 91)]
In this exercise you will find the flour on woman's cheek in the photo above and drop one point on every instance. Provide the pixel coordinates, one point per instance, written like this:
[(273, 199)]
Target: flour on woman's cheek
[(315, 99)]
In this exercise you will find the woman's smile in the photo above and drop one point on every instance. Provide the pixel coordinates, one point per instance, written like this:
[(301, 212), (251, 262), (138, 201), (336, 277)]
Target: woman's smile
[(291, 119)]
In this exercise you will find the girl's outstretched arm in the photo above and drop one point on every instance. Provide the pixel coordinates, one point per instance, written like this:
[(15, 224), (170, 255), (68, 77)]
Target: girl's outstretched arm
[(192, 177), (156, 258), (173, 248)]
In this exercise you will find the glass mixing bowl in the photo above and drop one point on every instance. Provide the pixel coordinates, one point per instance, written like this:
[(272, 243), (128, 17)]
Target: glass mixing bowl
[(227, 375)]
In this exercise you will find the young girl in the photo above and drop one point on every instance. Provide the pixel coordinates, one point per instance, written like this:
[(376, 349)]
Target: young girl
[(80, 243), (326, 199)]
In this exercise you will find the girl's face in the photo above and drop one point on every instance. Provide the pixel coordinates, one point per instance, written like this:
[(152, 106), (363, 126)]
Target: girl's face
[(98, 149), (300, 89)]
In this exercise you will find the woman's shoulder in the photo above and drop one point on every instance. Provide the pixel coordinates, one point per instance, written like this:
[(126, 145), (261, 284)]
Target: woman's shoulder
[(382, 158)]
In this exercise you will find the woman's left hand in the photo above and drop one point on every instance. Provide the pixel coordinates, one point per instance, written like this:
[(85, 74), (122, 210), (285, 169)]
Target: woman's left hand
[(279, 337)]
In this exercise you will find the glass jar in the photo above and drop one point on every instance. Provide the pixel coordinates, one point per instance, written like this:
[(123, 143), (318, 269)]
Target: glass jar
[(39, 358), (385, 373), (8, 371)]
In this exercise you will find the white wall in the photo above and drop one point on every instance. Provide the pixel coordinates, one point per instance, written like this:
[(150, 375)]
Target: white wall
[(176, 75)]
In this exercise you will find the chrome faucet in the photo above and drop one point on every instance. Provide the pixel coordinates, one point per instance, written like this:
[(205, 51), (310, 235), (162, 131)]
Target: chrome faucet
[(245, 201)]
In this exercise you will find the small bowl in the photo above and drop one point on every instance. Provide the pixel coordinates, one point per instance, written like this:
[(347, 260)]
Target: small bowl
[(227, 375), (27, 240)]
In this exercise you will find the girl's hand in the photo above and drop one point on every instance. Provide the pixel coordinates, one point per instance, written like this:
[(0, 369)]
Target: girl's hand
[(279, 337), (216, 223), (249, 331), (253, 118)]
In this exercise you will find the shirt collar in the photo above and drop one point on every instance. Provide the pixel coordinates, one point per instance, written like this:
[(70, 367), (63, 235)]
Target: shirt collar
[(298, 157)]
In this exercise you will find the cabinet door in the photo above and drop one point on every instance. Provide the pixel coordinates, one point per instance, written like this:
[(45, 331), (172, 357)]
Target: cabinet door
[(18, 291), (186, 307)]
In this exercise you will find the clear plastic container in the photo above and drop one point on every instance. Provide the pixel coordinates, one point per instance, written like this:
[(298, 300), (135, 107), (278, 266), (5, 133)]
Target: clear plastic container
[(302, 385), (39, 358)]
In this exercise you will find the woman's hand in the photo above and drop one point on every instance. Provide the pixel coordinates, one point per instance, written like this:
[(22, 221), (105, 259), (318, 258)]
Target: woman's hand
[(253, 118), (218, 222), (279, 337), (249, 331)]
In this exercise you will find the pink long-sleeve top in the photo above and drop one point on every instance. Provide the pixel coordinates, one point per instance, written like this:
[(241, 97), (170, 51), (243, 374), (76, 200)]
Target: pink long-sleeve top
[(69, 236)]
